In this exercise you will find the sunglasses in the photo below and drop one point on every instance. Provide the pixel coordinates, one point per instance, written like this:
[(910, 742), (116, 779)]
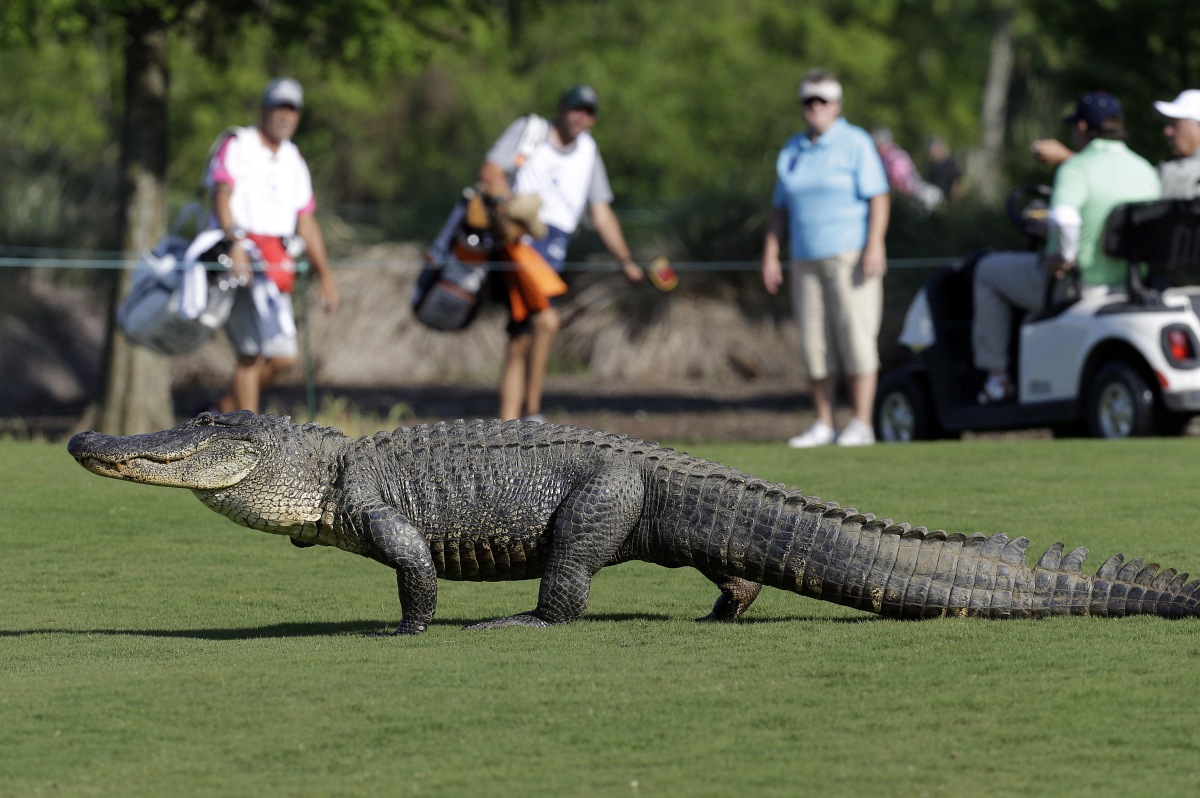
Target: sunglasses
[(809, 102)]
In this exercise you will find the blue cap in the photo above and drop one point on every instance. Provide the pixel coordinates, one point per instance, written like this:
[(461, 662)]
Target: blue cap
[(580, 97), (1095, 108)]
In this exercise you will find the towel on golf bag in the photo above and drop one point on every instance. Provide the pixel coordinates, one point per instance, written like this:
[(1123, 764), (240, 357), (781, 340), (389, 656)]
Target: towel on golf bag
[(531, 281), (174, 305)]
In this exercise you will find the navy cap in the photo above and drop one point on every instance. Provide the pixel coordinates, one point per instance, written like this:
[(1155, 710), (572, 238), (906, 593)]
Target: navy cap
[(1095, 108), (580, 97)]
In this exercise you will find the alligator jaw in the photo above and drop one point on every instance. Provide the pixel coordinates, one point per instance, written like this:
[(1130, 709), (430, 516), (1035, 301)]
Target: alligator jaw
[(208, 464)]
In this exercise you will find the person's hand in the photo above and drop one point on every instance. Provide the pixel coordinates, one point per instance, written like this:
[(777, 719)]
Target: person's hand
[(874, 261), (1057, 266), (772, 274), (329, 294), (240, 265), (1051, 152), (632, 271)]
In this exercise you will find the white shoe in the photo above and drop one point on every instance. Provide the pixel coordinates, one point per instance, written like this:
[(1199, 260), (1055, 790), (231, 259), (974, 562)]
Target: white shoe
[(536, 418), (856, 433), (819, 434), (996, 389)]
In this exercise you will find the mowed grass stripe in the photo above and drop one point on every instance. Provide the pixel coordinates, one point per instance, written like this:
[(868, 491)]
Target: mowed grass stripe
[(149, 647)]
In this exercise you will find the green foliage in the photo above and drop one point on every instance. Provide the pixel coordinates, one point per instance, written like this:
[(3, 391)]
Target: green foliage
[(152, 648), (1156, 64), (697, 95)]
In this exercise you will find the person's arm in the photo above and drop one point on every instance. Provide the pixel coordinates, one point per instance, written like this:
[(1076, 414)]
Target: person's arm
[(494, 180), (224, 213), (1051, 152), (610, 232), (314, 243), (772, 270), (874, 257)]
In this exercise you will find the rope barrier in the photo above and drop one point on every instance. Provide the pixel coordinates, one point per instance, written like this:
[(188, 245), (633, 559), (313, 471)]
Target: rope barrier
[(58, 260)]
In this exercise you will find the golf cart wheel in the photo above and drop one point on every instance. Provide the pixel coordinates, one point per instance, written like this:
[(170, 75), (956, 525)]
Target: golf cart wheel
[(1120, 403), (903, 410)]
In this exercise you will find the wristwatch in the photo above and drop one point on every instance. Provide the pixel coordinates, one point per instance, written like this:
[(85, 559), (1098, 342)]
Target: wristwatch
[(235, 235)]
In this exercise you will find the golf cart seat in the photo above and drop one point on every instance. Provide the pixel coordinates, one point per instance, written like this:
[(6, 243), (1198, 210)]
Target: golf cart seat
[(1162, 234)]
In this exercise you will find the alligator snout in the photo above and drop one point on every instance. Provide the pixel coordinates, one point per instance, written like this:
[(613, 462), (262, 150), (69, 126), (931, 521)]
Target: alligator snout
[(81, 445)]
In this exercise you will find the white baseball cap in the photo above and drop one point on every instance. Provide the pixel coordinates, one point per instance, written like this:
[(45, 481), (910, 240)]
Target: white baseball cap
[(1186, 106), (827, 89)]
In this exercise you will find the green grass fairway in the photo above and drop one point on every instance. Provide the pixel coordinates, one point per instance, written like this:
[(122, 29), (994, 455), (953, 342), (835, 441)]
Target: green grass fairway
[(149, 647)]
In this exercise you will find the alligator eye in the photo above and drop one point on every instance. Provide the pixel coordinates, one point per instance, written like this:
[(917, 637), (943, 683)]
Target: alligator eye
[(205, 420)]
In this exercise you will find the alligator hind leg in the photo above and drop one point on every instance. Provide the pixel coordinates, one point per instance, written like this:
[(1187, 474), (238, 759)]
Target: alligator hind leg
[(590, 525), (737, 595)]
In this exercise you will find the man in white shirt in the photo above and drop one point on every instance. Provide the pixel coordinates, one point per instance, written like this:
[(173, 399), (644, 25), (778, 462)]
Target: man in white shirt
[(1181, 177), (262, 195), (560, 163)]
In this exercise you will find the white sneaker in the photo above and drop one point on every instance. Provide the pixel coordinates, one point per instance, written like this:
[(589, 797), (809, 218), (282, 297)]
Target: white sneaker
[(996, 389), (536, 418), (819, 434), (856, 433)]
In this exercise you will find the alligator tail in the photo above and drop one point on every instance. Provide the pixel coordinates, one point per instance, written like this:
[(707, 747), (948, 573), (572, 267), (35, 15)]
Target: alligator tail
[(905, 572)]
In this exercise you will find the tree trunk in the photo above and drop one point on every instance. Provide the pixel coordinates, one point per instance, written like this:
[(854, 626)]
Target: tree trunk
[(983, 166), (137, 392)]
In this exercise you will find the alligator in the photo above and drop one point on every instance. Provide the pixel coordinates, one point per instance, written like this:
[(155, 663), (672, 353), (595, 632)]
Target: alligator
[(491, 500)]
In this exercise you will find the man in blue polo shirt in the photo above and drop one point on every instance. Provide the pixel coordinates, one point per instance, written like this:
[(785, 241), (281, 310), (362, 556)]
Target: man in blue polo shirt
[(832, 205)]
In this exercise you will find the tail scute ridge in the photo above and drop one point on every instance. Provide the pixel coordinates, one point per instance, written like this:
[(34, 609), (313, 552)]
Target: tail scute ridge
[(1164, 579), (1051, 559), (1110, 567), (993, 547), (1015, 551), (1073, 562), (1130, 570), (1146, 576)]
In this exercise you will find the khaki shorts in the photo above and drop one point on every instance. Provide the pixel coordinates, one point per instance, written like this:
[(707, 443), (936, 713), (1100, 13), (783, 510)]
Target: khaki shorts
[(245, 328), (839, 313)]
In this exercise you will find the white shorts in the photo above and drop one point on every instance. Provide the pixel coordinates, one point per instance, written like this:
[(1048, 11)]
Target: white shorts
[(839, 312)]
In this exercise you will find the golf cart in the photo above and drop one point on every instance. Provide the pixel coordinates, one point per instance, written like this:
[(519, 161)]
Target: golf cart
[(1116, 365)]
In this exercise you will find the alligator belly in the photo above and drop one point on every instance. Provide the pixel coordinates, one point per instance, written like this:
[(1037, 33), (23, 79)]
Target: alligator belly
[(490, 558)]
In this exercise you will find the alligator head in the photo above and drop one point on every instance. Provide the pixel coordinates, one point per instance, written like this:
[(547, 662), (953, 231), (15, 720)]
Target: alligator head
[(260, 471)]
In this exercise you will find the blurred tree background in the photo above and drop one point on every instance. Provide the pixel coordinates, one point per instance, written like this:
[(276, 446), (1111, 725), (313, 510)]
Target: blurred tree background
[(109, 108), (696, 98)]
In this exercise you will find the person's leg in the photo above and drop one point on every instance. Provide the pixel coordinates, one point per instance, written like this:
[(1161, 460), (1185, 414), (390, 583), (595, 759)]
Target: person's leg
[(242, 329), (823, 395), (545, 327), (272, 367), (512, 376), (855, 303), (244, 393), (281, 350), (1002, 280), (808, 306), (862, 396)]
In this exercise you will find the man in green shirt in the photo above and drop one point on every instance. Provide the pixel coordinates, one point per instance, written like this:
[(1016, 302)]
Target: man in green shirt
[(1087, 187)]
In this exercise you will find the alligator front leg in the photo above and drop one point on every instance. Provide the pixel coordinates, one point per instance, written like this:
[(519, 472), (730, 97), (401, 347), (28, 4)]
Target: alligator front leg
[(398, 544), (591, 523)]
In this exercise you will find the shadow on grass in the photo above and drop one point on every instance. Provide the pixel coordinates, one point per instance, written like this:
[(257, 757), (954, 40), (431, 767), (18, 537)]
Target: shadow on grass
[(285, 630)]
